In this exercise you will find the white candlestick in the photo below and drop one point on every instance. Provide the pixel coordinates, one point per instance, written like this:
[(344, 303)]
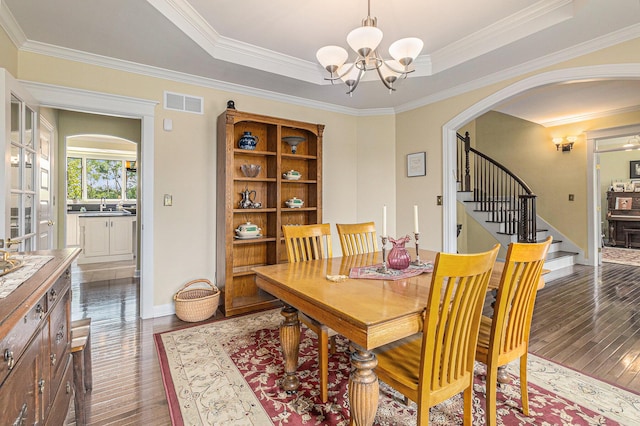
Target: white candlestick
[(415, 219), (384, 221)]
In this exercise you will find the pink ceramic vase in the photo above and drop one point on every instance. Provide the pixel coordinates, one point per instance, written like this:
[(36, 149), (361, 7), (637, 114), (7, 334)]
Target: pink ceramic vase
[(399, 257)]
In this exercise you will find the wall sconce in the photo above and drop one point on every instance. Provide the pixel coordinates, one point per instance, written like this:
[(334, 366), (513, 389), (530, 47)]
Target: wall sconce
[(566, 146)]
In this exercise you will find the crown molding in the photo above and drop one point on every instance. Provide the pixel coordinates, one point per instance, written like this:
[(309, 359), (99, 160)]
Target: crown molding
[(18, 37), (539, 16), (625, 34), (589, 116), (526, 22), (11, 26), (189, 21)]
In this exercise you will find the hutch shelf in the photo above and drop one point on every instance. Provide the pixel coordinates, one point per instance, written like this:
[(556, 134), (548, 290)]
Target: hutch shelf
[(237, 257)]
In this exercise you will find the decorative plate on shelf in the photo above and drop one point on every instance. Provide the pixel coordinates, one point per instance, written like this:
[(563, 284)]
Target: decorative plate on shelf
[(248, 237)]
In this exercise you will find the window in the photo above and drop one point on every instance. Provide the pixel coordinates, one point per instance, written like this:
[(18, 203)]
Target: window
[(132, 184), (96, 178), (74, 178), (104, 179)]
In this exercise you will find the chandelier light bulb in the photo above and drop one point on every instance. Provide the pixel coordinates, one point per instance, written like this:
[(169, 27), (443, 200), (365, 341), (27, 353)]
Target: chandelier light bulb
[(364, 40), (406, 50), (332, 57)]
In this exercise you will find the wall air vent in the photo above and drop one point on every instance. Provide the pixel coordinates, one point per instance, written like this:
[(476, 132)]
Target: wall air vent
[(185, 103)]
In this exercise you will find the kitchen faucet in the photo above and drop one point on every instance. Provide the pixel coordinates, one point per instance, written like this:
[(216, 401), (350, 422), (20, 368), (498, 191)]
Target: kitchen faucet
[(103, 203)]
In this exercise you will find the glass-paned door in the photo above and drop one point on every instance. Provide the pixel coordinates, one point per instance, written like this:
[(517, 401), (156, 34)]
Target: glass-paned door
[(45, 213), (18, 133)]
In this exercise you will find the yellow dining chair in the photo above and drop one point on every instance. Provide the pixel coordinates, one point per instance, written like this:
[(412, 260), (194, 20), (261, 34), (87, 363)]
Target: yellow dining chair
[(433, 366), (505, 337), (357, 238), (310, 242)]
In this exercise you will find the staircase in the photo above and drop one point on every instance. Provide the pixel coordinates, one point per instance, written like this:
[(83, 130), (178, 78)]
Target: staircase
[(505, 206)]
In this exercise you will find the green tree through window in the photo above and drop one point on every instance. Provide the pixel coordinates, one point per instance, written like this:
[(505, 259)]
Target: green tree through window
[(104, 179), (74, 178)]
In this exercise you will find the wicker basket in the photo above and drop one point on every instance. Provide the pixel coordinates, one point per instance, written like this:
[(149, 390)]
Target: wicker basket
[(196, 304)]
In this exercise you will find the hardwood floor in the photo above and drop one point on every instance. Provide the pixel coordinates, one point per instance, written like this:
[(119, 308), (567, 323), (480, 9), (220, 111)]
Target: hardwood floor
[(587, 320)]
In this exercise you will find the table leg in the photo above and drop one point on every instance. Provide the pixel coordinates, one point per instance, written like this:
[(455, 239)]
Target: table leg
[(503, 377), (290, 341), (363, 387)]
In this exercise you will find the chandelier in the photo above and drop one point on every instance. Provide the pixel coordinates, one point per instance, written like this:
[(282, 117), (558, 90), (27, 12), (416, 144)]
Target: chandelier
[(364, 41)]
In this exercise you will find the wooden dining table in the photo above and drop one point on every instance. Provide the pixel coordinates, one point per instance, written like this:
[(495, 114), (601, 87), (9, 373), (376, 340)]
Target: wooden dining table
[(368, 312)]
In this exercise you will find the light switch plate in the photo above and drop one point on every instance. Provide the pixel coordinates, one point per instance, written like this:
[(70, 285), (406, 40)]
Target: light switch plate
[(571, 197), (168, 200), (439, 200)]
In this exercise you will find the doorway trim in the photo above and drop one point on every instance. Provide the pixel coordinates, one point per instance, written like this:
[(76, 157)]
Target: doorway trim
[(449, 146), (68, 98)]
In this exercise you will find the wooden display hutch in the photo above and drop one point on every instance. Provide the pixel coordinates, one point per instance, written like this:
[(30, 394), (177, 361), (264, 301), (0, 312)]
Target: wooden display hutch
[(236, 257)]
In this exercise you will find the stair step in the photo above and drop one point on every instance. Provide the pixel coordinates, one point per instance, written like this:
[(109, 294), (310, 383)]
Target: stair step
[(560, 253)]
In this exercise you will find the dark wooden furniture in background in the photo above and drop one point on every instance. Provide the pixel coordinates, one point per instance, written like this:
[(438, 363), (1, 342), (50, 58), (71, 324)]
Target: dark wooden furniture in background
[(35, 340), (623, 214), (237, 257)]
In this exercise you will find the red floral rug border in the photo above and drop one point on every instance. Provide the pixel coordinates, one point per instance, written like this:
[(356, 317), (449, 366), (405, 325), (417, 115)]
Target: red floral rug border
[(253, 352)]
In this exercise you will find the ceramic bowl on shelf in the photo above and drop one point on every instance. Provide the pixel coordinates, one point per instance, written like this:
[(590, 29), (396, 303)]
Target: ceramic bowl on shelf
[(292, 175), (293, 142), (294, 203), (248, 230), (250, 170)]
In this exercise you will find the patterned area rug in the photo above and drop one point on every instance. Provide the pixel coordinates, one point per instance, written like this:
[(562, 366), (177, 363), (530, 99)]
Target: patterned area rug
[(227, 373), (624, 256)]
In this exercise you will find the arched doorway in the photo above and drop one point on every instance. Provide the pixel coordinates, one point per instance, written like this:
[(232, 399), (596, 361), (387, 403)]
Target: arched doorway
[(613, 71)]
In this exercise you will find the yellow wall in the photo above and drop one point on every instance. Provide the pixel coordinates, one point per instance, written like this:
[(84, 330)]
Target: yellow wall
[(614, 167), (356, 149), (8, 54), (421, 129), (184, 159)]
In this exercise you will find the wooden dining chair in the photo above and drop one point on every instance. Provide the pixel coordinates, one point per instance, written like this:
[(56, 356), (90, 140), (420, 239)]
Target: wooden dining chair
[(505, 337), (310, 242), (357, 238), (432, 366)]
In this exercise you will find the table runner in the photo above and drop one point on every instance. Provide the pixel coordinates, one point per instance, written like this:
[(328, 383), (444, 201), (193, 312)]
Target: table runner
[(31, 264), (371, 272)]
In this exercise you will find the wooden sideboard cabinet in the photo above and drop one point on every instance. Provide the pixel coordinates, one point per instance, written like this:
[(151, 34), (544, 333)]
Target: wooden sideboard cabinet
[(236, 257), (36, 383)]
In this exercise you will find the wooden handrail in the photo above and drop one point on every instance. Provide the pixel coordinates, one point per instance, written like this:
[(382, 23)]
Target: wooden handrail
[(506, 197)]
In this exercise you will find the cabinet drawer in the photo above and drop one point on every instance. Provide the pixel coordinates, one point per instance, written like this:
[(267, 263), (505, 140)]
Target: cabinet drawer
[(59, 288), (13, 344), (60, 337), (62, 397), (19, 393)]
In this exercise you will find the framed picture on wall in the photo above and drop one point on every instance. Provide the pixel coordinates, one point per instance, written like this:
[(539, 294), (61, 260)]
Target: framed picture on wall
[(417, 164), (634, 169)]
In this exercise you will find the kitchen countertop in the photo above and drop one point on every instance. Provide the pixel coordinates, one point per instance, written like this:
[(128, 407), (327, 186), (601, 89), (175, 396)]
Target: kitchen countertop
[(105, 214)]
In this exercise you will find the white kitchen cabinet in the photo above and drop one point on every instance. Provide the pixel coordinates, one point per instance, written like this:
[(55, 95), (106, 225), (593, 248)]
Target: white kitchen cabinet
[(106, 238), (73, 230)]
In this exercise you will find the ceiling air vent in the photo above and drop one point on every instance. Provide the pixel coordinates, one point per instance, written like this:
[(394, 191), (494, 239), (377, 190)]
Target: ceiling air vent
[(180, 102)]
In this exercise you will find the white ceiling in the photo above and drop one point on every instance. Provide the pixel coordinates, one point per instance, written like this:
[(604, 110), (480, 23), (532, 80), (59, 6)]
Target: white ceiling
[(268, 47)]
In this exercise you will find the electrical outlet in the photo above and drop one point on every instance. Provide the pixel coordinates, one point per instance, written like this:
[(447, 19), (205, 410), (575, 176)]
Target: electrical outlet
[(439, 200), (571, 197)]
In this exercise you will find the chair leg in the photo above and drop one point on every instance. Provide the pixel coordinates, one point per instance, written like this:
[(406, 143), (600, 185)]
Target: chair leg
[(78, 382), (467, 419), (491, 395), (323, 363), (332, 343), (88, 376), (523, 384)]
